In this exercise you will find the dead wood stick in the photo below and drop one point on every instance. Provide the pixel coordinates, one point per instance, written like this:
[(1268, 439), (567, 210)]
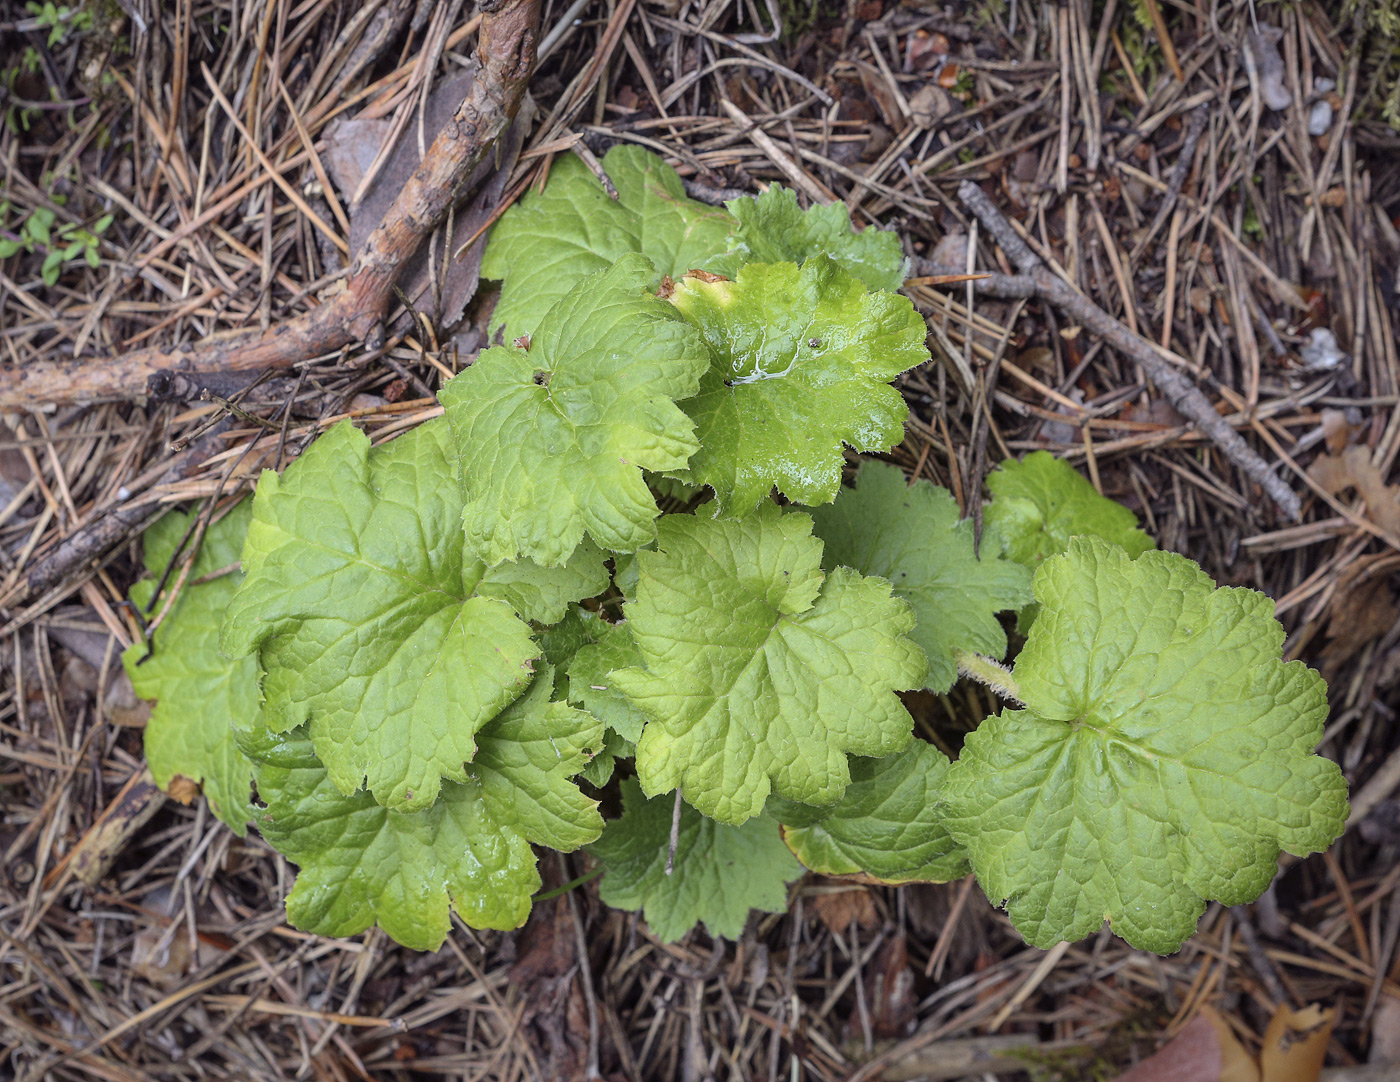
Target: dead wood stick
[(94, 540), (1180, 171), (88, 861), (506, 58), (1003, 286), (1180, 392)]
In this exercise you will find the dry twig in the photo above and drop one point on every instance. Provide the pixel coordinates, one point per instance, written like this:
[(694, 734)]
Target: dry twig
[(1180, 392), (506, 55)]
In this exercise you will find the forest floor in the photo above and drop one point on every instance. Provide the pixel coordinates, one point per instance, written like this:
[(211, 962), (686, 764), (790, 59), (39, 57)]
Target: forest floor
[(1139, 147)]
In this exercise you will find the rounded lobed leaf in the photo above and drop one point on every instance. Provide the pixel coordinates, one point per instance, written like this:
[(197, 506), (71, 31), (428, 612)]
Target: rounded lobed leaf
[(800, 363), (373, 625), (720, 871), (1042, 501), (552, 439), (1163, 759), (887, 826), (201, 696), (912, 535), (758, 674), (548, 241), (361, 863)]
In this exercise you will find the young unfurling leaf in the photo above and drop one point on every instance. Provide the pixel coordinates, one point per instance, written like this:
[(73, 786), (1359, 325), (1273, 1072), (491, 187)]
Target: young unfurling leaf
[(801, 360), (772, 228)]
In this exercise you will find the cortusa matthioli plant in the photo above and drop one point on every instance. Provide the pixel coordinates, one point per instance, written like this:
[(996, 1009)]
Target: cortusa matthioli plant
[(439, 650)]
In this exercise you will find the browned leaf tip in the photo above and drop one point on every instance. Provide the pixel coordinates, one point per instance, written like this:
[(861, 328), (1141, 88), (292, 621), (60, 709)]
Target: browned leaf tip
[(182, 789)]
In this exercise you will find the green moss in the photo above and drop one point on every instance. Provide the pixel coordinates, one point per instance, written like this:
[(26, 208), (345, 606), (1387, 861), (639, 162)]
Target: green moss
[(1379, 90)]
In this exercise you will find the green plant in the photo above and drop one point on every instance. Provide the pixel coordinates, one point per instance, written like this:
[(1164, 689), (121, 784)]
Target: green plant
[(1379, 42), (19, 118), (57, 19), (435, 701), (60, 242)]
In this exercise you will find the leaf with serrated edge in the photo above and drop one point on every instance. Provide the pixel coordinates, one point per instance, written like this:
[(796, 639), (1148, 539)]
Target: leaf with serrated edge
[(201, 695), (373, 623), (600, 768), (801, 360), (912, 535), (552, 440), (591, 684), (549, 240), (585, 649), (1041, 502), (361, 863), (772, 228), (720, 871), (1163, 759), (561, 641), (758, 674), (887, 825)]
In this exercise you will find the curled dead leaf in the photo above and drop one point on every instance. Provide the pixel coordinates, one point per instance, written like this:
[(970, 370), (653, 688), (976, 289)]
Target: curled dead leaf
[(1336, 433), (837, 906), (1296, 1043), (1353, 468), (1206, 1050), (182, 789)]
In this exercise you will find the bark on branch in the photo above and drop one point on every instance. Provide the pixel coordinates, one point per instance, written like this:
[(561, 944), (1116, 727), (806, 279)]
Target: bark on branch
[(506, 59), (1037, 280)]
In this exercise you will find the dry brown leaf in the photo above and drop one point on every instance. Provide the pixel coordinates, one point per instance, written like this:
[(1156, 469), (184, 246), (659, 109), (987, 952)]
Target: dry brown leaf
[(1336, 430), (182, 789), (925, 50), (889, 990), (14, 468), (1353, 469), (930, 104), (352, 146), (161, 953), (552, 1010), (122, 706), (951, 250), (1362, 611), (1295, 1044), (837, 908), (1206, 1050)]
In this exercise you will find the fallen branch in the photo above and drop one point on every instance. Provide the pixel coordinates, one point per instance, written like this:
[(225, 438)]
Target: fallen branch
[(102, 533), (1036, 280), (1184, 160), (506, 58)]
